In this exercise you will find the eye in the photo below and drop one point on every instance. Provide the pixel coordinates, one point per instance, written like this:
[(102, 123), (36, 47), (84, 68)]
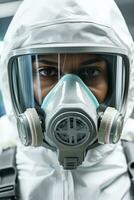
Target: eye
[(48, 71), (89, 72)]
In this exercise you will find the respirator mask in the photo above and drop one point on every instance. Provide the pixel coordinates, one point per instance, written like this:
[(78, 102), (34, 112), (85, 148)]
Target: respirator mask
[(68, 102)]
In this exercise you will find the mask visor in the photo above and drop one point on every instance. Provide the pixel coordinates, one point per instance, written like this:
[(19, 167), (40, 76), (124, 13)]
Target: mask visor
[(32, 76)]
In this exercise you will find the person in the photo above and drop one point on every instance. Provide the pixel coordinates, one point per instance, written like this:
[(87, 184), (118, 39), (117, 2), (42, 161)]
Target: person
[(65, 72)]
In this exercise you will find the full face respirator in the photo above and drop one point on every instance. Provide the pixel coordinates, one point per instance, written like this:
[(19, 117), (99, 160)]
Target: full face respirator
[(55, 104)]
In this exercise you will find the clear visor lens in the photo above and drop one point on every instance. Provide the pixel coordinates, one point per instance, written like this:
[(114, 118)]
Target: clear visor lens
[(33, 76)]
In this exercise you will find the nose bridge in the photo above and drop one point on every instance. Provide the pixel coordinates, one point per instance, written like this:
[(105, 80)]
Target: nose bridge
[(69, 63)]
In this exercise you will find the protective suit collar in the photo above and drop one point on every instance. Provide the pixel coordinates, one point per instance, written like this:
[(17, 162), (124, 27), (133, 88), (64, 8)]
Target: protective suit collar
[(54, 181)]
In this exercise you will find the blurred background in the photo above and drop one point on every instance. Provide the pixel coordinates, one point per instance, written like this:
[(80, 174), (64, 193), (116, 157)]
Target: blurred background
[(7, 11), (9, 7)]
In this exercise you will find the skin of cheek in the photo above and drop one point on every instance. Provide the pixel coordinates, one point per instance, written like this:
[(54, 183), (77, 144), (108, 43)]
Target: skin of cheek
[(43, 93), (100, 91)]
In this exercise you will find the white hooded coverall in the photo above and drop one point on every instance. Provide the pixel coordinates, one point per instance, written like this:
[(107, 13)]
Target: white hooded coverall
[(103, 175)]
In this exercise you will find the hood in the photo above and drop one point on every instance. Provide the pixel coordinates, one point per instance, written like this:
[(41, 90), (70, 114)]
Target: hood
[(64, 23)]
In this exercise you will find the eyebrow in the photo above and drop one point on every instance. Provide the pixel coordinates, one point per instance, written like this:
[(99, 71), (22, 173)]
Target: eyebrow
[(91, 61), (48, 61), (87, 62)]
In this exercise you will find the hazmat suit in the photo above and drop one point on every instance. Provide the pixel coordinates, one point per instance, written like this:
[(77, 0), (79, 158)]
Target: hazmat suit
[(57, 24)]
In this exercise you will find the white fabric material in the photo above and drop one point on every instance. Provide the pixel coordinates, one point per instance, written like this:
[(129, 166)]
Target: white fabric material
[(128, 130), (8, 133), (103, 175)]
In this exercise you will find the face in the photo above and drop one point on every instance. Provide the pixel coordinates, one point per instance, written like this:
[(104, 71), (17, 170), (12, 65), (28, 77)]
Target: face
[(92, 69)]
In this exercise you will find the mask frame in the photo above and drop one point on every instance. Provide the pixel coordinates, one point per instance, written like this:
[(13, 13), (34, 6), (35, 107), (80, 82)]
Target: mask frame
[(112, 51)]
